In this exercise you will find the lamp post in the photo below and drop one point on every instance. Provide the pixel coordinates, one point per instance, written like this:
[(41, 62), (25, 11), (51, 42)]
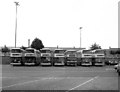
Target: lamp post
[(28, 42), (16, 3), (80, 37)]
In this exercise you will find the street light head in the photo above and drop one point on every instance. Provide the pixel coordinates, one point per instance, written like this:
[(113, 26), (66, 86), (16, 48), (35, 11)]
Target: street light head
[(80, 27), (17, 3)]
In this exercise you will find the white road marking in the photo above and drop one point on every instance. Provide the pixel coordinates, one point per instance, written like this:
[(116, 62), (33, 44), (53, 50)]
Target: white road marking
[(107, 69), (23, 83), (82, 84), (33, 77), (7, 77), (43, 78), (54, 78), (82, 71), (62, 68)]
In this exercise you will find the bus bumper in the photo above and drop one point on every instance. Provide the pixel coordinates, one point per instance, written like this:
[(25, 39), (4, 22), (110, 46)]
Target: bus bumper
[(99, 63), (29, 63), (71, 62), (86, 64), (15, 63), (46, 64), (58, 63)]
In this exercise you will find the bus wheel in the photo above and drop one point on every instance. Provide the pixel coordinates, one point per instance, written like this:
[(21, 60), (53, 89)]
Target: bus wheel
[(75, 64), (36, 64), (119, 73), (22, 64)]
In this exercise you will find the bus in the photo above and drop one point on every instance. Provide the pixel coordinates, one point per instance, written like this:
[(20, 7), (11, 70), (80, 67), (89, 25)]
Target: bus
[(99, 57), (79, 57), (46, 57), (16, 56), (31, 57), (86, 58), (59, 57), (71, 57), (112, 60)]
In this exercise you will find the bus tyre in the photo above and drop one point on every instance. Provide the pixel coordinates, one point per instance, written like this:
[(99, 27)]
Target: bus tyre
[(65, 64), (75, 64), (22, 64), (36, 64), (119, 73)]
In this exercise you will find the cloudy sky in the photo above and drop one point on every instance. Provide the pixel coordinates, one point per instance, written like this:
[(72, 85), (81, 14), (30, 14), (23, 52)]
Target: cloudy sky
[(57, 22)]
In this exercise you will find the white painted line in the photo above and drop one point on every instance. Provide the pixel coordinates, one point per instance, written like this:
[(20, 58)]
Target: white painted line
[(107, 69), (7, 77), (22, 83), (82, 71), (46, 78), (91, 71), (43, 78), (62, 68), (82, 84), (53, 78)]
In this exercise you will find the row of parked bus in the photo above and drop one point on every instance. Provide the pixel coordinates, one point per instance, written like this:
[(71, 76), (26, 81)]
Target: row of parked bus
[(45, 56)]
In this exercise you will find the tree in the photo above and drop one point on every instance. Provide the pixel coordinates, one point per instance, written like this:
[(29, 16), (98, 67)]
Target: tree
[(23, 47), (37, 44), (5, 49), (95, 46)]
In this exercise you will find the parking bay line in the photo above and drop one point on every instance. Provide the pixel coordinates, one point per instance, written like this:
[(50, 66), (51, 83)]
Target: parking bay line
[(109, 69), (83, 83), (47, 78), (17, 84), (22, 83)]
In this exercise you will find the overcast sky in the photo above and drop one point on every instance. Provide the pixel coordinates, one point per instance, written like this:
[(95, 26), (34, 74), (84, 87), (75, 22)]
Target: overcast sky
[(57, 22)]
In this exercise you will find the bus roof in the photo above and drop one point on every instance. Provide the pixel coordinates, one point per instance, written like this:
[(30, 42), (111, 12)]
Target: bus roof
[(45, 49), (15, 48), (79, 51), (70, 50), (99, 51), (59, 49), (30, 49), (87, 51)]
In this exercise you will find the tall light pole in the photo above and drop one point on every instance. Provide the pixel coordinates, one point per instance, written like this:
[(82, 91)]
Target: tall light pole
[(80, 37), (16, 3), (28, 42)]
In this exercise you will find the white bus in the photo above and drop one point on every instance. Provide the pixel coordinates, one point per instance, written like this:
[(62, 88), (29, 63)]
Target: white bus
[(71, 57), (46, 57), (99, 57), (16, 56), (59, 57), (31, 57), (79, 57), (86, 58)]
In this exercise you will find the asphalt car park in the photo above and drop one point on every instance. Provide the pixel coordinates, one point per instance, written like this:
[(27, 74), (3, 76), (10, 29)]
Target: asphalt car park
[(59, 78)]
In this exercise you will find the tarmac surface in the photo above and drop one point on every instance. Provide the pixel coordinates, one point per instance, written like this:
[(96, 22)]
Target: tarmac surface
[(65, 78)]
